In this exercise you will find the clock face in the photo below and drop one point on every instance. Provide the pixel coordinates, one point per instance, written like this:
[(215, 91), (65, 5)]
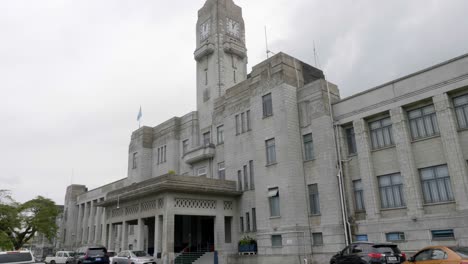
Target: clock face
[(205, 30), (233, 28)]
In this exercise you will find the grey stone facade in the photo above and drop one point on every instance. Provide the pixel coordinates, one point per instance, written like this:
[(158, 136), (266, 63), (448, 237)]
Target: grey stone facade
[(186, 167)]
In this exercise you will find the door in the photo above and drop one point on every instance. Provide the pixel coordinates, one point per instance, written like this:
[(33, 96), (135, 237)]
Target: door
[(426, 257)]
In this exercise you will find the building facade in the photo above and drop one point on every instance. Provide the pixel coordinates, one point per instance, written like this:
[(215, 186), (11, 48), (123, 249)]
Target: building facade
[(276, 155)]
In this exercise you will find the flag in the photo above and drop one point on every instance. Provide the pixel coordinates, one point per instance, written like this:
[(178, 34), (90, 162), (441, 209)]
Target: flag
[(140, 114)]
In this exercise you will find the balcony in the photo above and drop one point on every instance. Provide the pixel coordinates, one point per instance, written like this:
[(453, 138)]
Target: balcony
[(200, 153)]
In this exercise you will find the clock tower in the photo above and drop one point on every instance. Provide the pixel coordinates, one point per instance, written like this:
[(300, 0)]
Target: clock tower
[(221, 54)]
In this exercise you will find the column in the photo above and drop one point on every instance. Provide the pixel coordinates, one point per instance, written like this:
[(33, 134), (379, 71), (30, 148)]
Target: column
[(408, 170), (98, 224), (157, 235), (168, 238), (110, 242), (367, 170), (219, 236), (91, 222), (79, 226), (85, 221), (141, 234), (452, 149), (104, 226), (124, 236)]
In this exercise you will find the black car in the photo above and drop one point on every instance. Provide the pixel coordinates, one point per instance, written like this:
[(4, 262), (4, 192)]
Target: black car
[(92, 255), (369, 253)]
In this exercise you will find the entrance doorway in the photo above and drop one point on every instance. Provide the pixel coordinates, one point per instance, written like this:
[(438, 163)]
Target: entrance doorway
[(193, 233)]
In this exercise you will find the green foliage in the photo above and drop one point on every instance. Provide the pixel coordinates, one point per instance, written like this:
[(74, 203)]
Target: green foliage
[(247, 241), (20, 222), (171, 172)]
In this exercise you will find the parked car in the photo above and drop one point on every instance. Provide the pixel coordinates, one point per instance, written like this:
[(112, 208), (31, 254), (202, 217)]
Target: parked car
[(92, 255), (111, 254), (133, 256), (61, 257), (369, 253), (440, 254), (16, 257)]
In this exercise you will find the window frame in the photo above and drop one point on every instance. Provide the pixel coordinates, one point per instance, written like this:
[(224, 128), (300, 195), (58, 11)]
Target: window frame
[(377, 134), (277, 241), (134, 160), (391, 188), (221, 170), (359, 196), (351, 141), (274, 202), (203, 174), (461, 109), (267, 105), (206, 138), (418, 125), (401, 236), (308, 147), (270, 149), (428, 184), (220, 134), (185, 146), (314, 236), (314, 199), (437, 237)]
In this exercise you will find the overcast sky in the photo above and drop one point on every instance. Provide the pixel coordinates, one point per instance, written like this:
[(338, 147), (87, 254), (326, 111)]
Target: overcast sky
[(73, 73)]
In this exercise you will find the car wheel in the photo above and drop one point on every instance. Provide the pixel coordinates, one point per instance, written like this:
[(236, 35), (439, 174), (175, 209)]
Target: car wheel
[(52, 262)]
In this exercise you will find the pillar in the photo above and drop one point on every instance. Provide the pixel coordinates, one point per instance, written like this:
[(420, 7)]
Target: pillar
[(367, 170), (408, 169), (141, 234), (79, 226), (98, 221), (85, 222), (124, 236), (452, 149), (157, 236), (104, 228)]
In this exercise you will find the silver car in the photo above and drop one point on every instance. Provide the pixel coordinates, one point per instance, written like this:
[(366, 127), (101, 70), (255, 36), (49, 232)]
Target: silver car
[(133, 256)]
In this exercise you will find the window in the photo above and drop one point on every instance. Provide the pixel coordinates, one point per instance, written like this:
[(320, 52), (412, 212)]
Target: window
[(134, 162), (251, 173), (317, 239), (351, 140), (391, 191), (436, 185), (227, 229), (267, 105), (221, 171), (395, 236), (243, 123), (237, 125), (242, 224), (185, 146), (206, 138), (247, 121), (438, 254), (381, 133), (361, 238), (270, 151), (461, 109), (423, 122), (220, 135), (308, 147), (246, 178), (441, 234), (359, 195), (314, 199), (161, 154), (201, 171), (247, 221), (239, 180), (254, 220), (273, 197), (276, 241)]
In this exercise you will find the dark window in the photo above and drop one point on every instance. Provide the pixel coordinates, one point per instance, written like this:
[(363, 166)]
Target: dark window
[(351, 140), (276, 241), (254, 219), (308, 147), (206, 138), (361, 238), (221, 171), (395, 236), (317, 239), (237, 125), (436, 185), (247, 121), (461, 110), (359, 195), (423, 255), (243, 127), (314, 199), (391, 191), (423, 122), (247, 221), (273, 197), (239, 180), (381, 133), (185, 145), (227, 230), (134, 161), (242, 224), (267, 105), (220, 134), (246, 178), (441, 234), (270, 151), (251, 173)]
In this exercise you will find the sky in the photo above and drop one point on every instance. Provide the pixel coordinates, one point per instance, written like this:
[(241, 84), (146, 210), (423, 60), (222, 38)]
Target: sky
[(74, 73)]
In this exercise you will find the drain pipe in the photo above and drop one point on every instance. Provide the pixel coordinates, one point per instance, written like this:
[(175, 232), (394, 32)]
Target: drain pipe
[(339, 175)]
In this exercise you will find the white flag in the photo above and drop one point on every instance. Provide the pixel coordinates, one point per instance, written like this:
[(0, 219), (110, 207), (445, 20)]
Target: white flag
[(140, 114)]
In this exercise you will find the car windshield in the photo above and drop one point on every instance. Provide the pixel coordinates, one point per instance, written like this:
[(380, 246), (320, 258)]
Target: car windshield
[(96, 252), (461, 251), (14, 257), (140, 253), (71, 254)]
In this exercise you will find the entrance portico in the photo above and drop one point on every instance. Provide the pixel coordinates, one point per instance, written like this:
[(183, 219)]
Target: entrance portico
[(170, 214)]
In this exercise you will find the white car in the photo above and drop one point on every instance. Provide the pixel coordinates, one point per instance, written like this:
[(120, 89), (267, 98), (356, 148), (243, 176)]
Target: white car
[(133, 256), (16, 257), (61, 257)]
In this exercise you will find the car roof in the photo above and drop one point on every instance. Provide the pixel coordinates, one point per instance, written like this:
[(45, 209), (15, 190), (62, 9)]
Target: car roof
[(374, 244)]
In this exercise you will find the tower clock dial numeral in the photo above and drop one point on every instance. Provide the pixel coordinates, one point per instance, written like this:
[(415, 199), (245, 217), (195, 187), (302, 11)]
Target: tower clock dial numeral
[(233, 28), (205, 30)]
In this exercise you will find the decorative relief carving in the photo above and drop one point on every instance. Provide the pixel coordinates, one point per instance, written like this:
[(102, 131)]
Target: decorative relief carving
[(227, 205), (194, 203), (116, 212), (133, 209), (148, 205), (160, 203)]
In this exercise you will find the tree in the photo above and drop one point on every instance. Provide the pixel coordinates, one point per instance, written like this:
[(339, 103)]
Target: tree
[(20, 222)]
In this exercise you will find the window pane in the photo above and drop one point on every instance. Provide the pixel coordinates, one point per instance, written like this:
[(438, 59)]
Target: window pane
[(461, 117), (317, 239), (251, 173), (276, 241), (442, 171)]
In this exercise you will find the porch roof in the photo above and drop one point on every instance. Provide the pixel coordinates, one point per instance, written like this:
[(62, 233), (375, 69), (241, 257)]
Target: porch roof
[(172, 183)]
